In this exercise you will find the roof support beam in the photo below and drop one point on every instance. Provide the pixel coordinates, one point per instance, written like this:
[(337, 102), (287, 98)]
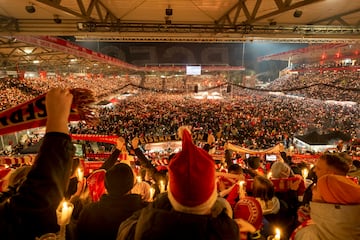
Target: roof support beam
[(337, 17), (229, 18), (96, 10), (8, 24)]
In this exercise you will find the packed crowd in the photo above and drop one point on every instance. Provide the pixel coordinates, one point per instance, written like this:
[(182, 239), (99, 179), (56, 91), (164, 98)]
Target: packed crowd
[(253, 119), (250, 120), (344, 85), (187, 200), (341, 85), (15, 91)]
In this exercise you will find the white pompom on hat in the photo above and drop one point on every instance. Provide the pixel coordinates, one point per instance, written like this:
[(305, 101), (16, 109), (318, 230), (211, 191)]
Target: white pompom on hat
[(192, 187)]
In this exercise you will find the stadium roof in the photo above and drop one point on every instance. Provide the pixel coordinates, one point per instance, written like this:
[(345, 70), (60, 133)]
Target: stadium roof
[(336, 23), (184, 20), (317, 53)]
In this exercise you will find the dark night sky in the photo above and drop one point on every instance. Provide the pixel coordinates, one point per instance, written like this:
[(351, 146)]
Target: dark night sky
[(234, 51), (156, 53)]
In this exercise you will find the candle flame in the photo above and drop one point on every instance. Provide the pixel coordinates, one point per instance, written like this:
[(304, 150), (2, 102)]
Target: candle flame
[(65, 206), (79, 174), (241, 189), (64, 212), (277, 234), (152, 192), (138, 179), (162, 186), (305, 173)]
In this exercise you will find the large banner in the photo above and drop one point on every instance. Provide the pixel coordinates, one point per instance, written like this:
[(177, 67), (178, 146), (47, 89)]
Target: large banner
[(143, 140), (168, 138), (276, 149), (95, 138)]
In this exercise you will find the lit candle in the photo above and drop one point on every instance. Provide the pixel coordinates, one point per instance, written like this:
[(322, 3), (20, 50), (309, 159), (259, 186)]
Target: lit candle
[(269, 175), (64, 212), (241, 189), (162, 186), (152, 192), (291, 148), (79, 174), (304, 173), (138, 179), (277, 234)]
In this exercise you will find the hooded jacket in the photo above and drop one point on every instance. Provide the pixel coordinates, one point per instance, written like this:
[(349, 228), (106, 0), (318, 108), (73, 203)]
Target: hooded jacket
[(331, 222)]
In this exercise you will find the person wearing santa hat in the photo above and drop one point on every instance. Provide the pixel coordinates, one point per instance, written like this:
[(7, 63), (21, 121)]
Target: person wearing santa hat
[(190, 209)]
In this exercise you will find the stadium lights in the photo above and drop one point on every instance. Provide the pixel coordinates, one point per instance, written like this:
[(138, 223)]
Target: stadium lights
[(57, 19), (30, 8), (297, 13)]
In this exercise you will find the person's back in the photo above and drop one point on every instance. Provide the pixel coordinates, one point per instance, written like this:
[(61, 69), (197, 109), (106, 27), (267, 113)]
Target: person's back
[(160, 221), (101, 220)]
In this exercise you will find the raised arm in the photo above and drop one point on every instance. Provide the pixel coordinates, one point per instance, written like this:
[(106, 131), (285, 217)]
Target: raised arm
[(111, 160), (39, 196)]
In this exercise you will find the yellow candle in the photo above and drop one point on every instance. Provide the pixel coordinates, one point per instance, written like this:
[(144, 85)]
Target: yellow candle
[(162, 186), (269, 175), (138, 179), (64, 212), (277, 234), (79, 174), (152, 192), (241, 189), (291, 148), (304, 173)]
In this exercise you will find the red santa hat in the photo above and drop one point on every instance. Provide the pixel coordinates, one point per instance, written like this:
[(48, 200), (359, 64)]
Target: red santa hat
[(96, 184), (192, 187), (249, 209)]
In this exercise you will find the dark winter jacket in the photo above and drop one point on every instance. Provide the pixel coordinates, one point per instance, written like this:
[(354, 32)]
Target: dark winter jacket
[(160, 221), (101, 220), (31, 212)]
